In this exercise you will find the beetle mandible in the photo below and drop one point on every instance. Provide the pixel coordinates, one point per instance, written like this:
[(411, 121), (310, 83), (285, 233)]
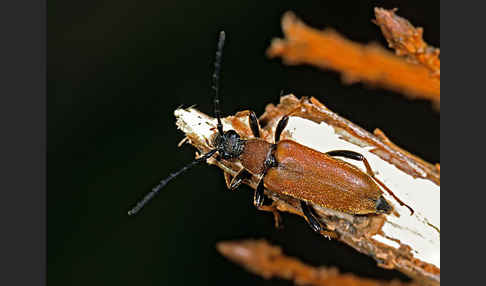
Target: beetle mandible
[(289, 168)]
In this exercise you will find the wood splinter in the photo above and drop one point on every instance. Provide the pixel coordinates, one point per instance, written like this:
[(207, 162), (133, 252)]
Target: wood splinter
[(407, 243)]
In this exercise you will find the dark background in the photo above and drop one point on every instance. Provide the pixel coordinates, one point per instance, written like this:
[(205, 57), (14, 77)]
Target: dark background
[(116, 72)]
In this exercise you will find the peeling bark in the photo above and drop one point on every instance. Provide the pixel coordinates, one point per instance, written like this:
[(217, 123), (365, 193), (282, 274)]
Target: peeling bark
[(268, 261), (410, 244)]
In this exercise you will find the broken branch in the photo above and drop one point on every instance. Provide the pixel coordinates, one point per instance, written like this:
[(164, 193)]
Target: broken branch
[(410, 244), (407, 40), (268, 261), (370, 63)]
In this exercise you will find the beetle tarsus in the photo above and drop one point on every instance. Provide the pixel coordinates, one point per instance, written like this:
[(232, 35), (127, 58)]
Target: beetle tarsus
[(258, 203), (238, 179), (259, 195), (276, 215), (311, 219)]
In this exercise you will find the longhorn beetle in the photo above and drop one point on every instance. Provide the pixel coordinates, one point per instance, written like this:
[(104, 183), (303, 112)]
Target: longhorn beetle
[(289, 168)]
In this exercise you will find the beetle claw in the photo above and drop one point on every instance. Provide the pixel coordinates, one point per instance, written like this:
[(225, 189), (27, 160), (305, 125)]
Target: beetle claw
[(311, 219), (315, 226), (259, 195)]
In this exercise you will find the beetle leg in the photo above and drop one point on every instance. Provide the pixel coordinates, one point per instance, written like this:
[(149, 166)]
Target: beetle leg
[(227, 179), (354, 156), (311, 219), (280, 127), (314, 222), (242, 175), (285, 119), (253, 121), (276, 216), (258, 203), (259, 195), (357, 156)]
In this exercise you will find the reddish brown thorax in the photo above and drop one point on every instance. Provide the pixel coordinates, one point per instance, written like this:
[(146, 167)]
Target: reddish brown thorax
[(256, 153)]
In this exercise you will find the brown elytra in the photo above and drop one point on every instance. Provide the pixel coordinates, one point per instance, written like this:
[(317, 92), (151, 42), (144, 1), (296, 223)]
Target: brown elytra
[(312, 176)]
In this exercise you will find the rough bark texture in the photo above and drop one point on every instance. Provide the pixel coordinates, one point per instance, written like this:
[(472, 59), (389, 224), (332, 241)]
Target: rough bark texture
[(370, 63), (268, 261), (407, 40), (360, 232)]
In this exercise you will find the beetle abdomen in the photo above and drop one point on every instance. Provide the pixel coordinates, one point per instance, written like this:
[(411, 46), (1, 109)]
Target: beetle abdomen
[(315, 177)]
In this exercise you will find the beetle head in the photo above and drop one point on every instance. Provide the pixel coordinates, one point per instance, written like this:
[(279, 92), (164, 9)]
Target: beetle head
[(229, 144)]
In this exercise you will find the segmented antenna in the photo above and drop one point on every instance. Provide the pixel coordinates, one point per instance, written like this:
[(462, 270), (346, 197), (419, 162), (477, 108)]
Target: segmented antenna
[(215, 86), (164, 182)]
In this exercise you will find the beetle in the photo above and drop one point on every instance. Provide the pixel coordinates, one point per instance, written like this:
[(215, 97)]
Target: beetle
[(289, 168)]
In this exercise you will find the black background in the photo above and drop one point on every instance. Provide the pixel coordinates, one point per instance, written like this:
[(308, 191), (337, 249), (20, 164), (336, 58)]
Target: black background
[(118, 69)]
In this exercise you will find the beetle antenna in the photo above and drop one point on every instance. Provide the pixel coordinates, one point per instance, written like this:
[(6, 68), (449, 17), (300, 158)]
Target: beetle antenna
[(215, 86), (164, 182)]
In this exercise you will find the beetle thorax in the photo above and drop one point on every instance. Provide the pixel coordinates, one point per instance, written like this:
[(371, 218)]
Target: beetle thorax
[(258, 157)]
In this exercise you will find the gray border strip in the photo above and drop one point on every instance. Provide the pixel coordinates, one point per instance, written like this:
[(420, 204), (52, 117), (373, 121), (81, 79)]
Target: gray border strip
[(23, 143)]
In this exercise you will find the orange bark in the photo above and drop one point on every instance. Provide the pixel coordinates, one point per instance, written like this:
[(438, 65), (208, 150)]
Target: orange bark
[(268, 261), (367, 63), (407, 40)]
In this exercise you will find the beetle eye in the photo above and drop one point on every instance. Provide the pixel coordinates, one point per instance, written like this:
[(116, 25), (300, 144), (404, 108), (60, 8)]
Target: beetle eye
[(232, 134), (382, 205), (217, 140)]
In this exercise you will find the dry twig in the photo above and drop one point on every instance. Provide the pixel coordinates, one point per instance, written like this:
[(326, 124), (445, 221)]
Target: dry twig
[(410, 244), (367, 63), (268, 261), (407, 40)]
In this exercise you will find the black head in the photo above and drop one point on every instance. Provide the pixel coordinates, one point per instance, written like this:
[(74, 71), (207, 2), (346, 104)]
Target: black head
[(229, 144)]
